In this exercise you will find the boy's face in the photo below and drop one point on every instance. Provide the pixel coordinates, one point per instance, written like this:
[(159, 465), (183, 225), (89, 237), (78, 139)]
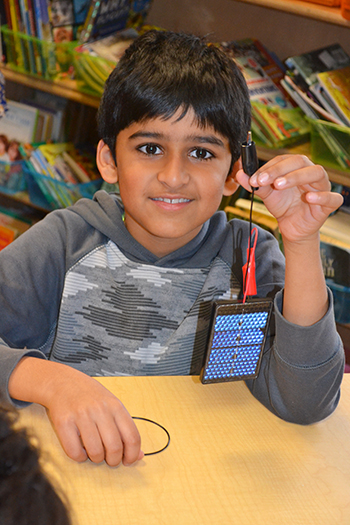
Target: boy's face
[(172, 175)]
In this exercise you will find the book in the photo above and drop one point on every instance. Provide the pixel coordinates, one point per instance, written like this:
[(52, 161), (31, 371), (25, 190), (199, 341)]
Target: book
[(138, 12), (104, 17), (335, 261), (58, 105), (87, 79), (19, 122), (96, 60), (39, 61), (50, 122), (261, 87), (307, 103), (77, 168), (61, 19), (276, 121), (71, 164), (267, 60), (111, 47), (335, 256), (345, 191), (308, 65), (58, 170), (45, 21), (322, 99), (337, 226), (38, 19), (336, 84), (259, 136), (281, 126), (7, 14), (10, 228), (16, 24), (333, 148), (15, 14), (80, 10)]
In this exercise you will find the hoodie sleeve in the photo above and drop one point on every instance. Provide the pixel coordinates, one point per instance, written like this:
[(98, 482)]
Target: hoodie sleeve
[(32, 273), (302, 367)]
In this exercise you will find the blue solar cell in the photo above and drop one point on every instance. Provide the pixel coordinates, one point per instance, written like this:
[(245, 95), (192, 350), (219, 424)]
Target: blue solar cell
[(237, 341)]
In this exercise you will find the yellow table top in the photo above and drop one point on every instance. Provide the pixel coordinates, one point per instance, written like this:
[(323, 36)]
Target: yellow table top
[(230, 461)]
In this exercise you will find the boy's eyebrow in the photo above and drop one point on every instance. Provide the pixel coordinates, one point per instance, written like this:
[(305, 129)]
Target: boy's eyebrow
[(203, 139)]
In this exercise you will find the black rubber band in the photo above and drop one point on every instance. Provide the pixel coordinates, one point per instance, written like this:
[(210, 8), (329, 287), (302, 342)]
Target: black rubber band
[(160, 426)]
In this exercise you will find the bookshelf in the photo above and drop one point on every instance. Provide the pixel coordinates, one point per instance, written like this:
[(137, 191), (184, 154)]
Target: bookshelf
[(81, 111), (163, 14), (65, 88)]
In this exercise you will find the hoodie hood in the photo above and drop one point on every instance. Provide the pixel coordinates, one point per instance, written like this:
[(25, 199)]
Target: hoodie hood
[(104, 213)]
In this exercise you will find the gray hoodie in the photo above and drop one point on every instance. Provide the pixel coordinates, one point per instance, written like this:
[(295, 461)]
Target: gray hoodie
[(78, 289)]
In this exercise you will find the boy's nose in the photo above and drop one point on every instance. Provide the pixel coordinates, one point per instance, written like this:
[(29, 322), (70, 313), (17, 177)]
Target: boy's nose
[(173, 172)]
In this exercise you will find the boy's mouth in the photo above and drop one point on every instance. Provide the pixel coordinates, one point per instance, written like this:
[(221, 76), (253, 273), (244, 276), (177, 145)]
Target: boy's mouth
[(170, 201)]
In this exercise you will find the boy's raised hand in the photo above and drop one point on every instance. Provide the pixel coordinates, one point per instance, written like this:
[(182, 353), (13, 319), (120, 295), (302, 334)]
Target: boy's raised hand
[(296, 192), (90, 421)]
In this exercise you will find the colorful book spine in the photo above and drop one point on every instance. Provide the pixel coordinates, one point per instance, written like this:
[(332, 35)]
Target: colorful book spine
[(45, 21), (337, 86), (15, 23), (23, 4), (89, 21), (38, 21), (8, 14)]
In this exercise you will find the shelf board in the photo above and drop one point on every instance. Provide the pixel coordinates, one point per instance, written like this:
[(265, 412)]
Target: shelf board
[(336, 176), (22, 204), (319, 12), (64, 88)]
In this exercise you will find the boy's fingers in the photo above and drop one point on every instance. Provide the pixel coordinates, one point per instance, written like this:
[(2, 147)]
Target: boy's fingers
[(111, 439), (71, 443), (131, 439), (287, 166), (243, 180), (92, 441), (331, 200), (314, 176), (112, 443)]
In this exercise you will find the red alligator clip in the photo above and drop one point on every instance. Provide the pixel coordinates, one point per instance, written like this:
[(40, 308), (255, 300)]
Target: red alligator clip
[(249, 281)]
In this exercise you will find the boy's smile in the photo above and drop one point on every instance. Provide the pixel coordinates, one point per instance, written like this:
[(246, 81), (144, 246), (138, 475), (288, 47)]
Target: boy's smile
[(172, 175)]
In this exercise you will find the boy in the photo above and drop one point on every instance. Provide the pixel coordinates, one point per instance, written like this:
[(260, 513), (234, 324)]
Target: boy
[(105, 288)]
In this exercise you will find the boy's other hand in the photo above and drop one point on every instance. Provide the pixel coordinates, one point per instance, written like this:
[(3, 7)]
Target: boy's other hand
[(296, 192), (89, 420)]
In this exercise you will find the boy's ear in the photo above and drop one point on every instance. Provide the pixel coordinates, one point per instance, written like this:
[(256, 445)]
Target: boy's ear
[(231, 184), (105, 163)]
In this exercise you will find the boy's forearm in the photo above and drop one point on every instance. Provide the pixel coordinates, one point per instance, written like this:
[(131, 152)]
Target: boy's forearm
[(33, 379), (88, 419), (305, 299)]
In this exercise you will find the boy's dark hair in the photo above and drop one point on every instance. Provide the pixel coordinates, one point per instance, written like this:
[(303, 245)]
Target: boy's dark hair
[(26, 494), (163, 71)]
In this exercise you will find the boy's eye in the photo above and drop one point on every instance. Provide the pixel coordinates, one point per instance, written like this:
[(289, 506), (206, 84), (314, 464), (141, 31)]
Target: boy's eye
[(150, 149), (201, 154)]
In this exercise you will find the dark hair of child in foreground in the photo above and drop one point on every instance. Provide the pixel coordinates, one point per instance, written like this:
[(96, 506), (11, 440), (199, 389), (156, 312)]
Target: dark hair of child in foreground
[(26, 494)]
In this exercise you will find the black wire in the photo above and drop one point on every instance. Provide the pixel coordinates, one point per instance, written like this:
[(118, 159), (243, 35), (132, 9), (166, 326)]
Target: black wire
[(160, 426)]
